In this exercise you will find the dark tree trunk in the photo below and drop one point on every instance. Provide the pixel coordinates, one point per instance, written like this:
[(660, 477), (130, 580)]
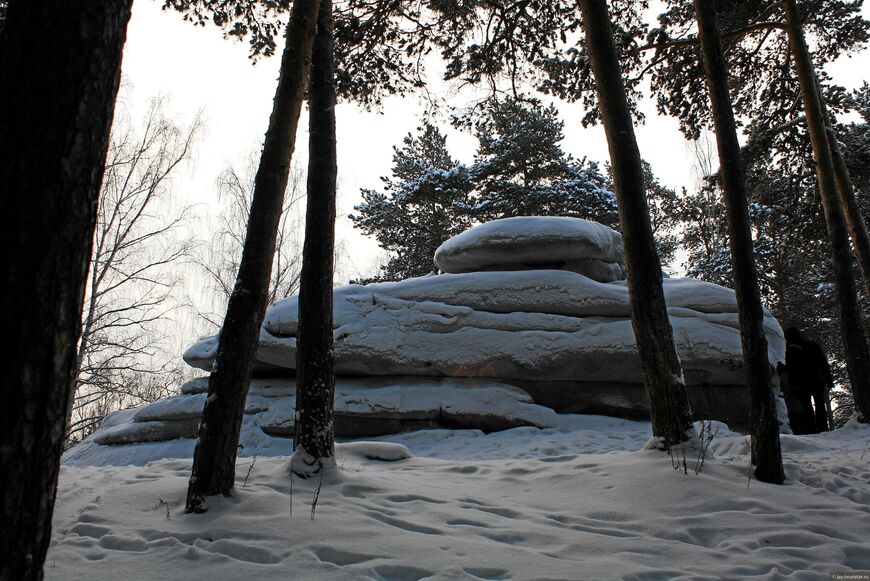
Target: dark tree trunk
[(214, 461), (315, 357), (60, 65), (845, 189), (663, 376), (852, 328), (763, 422)]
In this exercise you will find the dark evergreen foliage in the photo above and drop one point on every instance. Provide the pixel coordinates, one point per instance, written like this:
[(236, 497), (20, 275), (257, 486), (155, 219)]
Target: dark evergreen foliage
[(776, 203), (664, 212), (764, 87), (703, 236), (790, 242), (765, 92), (257, 21), (855, 143), (380, 44), (419, 207), (521, 170)]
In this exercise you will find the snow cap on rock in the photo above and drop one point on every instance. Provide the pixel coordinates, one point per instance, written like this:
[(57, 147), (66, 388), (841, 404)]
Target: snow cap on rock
[(535, 242)]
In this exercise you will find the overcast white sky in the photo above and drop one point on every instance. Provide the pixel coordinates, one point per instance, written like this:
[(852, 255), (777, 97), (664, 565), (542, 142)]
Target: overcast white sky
[(197, 69)]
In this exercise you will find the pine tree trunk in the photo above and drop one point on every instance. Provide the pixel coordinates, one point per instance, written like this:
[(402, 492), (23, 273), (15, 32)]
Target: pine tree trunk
[(763, 421), (845, 189), (214, 461), (60, 65), (663, 376), (854, 217), (852, 328), (315, 357)]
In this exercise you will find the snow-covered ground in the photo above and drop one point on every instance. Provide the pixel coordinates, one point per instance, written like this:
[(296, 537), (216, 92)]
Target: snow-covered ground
[(583, 500)]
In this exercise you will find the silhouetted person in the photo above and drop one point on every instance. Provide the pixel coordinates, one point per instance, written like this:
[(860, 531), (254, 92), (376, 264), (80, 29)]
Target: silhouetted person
[(798, 402), (809, 376)]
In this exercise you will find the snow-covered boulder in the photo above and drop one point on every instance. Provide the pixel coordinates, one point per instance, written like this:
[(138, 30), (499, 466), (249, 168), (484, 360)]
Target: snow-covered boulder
[(535, 242), (364, 407), (564, 338), (505, 345), (528, 326)]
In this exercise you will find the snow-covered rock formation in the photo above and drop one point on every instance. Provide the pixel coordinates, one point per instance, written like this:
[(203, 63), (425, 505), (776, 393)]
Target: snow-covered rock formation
[(535, 242), (532, 303), (363, 407), (530, 326)]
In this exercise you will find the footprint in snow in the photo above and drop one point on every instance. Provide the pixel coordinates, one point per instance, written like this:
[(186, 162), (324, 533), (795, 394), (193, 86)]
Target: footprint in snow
[(412, 498), (341, 558), (401, 572)]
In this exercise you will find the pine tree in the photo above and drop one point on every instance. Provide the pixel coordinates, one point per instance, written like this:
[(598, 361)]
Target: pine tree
[(420, 205), (846, 192), (790, 246), (379, 44), (314, 434), (214, 460), (764, 91), (854, 336), (662, 373), (60, 68), (794, 273), (764, 425), (664, 211), (854, 141), (521, 170), (663, 203)]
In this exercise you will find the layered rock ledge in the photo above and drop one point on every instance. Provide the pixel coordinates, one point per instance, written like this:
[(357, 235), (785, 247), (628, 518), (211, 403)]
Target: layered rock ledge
[(527, 333)]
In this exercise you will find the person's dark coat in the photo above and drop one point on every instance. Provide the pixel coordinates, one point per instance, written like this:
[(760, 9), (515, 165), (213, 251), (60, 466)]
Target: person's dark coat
[(809, 377)]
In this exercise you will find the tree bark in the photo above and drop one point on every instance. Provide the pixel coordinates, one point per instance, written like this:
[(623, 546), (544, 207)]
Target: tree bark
[(214, 461), (845, 189), (315, 357), (763, 422), (663, 376), (60, 65), (852, 328)]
